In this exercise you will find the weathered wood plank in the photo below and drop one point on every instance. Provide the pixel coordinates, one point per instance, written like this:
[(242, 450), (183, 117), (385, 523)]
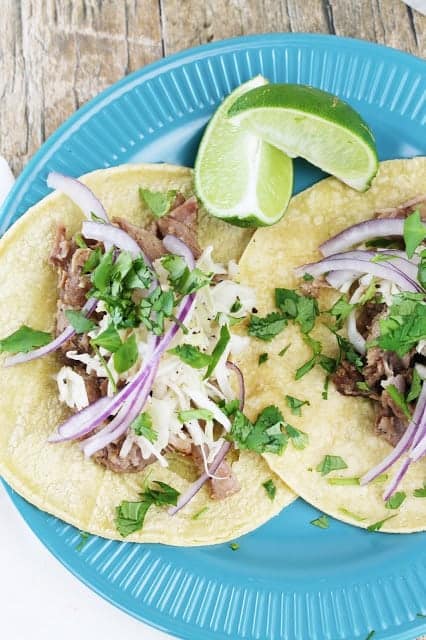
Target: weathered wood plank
[(55, 55)]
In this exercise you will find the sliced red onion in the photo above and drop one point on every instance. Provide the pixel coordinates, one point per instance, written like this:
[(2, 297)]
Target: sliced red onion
[(179, 248), (362, 232), (111, 235), (380, 270), (241, 386), (124, 418), (397, 262), (194, 488), (356, 339), (403, 444), (394, 483), (83, 197), (418, 448), (66, 334), (338, 278)]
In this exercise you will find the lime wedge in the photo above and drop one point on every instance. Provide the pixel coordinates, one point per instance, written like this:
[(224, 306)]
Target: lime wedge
[(307, 122), (239, 177)]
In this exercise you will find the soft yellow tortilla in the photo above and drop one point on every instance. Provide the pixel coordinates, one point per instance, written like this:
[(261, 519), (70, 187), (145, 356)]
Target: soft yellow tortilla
[(57, 478), (341, 425)]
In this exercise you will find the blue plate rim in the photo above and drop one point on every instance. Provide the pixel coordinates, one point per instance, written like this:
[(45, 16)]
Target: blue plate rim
[(151, 616)]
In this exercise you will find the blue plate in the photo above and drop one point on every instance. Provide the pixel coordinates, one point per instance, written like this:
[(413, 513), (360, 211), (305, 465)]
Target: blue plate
[(288, 580)]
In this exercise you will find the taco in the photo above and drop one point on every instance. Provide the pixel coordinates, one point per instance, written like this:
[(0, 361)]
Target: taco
[(346, 366), (120, 424)]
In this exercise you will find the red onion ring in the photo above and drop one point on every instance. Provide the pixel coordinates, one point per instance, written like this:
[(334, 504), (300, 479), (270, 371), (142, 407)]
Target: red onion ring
[(194, 488), (66, 334), (111, 235), (241, 386), (83, 197), (361, 232)]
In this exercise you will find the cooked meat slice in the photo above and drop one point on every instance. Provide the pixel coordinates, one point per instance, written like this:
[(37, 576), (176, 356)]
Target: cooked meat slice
[(146, 238), (368, 319), (73, 284), (223, 488), (374, 371), (179, 444), (389, 427), (62, 247), (182, 223), (313, 287), (228, 483), (345, 379), (78, 342), (404, 209), (109, 457)]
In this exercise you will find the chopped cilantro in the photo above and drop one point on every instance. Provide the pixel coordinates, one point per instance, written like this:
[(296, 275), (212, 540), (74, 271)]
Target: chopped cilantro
[(395, 501), (371, 635), (126, 355), (182, 279), (234, 546), (383, 257), (416, 387), (347, 351), (80, 241), (78, 321), (414, 232), (218, 350), (305, 368), (191, 355), (299, 439), (24, 339), (105, 366), (420, 493), (262, 358), (398, 399), (130, 516), (307, 277), (322, 522), (421, 615), (302, 309), (341, 309), (158, 202), (84, 537), (405, 325), (230, 407), (351, 514), (199, 513), (331, 463), (108, 339), (327, 363), (421, 273), (283, 351), (265, 435), (195, 414), (142, 426), (93, 260), (324, 393), (363, 386), (343, 481), (268, 327), (295, 405), (270, 488), (237, 306), (376, 526)]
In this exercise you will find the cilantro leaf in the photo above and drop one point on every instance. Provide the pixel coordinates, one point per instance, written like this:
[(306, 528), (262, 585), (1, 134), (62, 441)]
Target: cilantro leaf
[(236, 306), (126, 355), (376, 526), (191, 355), (295, 405), (234, 546), (299, 439), (158, 202), (398, 399), (195, 414), (84, 537), (181, 278), (327, 363), (108, 339), (142, 426), (101, 276), (78, 321), (262, 358), (347, 351), (80, 241), (229, 408), (265, 435), (24, 339), (371, 635), (294, 306), (331, 463), (270, 488), (268, 327), (395, 501), (405, 325), (341, 309), (130, 516), (351, 514), (322, 522), (343, 481), (284, 350), (416, 387), (421, 273), (218, 350), (420, 493), (199, 513), (414, 232)]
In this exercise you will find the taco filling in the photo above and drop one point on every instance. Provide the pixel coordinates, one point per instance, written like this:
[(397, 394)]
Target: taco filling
[(143, 332), (379, 268)]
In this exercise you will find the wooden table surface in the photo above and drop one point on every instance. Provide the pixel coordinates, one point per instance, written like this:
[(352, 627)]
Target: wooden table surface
[(57, 54)]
